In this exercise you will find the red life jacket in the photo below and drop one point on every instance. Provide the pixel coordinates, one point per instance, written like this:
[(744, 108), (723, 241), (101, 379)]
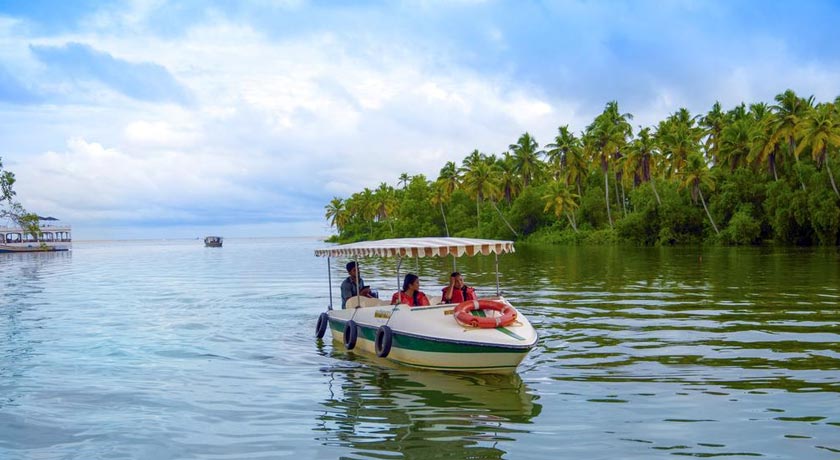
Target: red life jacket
[(401, 297), (459, 295)]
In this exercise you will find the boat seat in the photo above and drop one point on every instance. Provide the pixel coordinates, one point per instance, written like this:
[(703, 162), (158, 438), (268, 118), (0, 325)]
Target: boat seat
[(434, 299), (352, 302)]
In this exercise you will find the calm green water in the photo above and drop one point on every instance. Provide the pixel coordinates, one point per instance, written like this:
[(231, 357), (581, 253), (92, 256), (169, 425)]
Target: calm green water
[(167, 349)]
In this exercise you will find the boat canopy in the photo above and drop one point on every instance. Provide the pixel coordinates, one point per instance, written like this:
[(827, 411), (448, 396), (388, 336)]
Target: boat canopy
[(418, 247)]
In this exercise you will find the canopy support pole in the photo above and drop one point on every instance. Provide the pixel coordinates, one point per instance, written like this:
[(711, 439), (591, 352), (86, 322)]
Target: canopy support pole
[(399, 264), (498, 291), (358, 288), (329, 280)]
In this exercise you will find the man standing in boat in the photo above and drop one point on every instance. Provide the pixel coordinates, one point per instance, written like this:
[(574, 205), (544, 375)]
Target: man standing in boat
[(349, 286), (457, 291)]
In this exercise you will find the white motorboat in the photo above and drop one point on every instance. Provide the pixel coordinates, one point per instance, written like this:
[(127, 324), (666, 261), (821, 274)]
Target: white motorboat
[(213, 241), (484, 336)]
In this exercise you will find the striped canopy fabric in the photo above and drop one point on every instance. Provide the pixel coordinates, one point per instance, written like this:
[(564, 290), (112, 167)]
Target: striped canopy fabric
[(418, 247)]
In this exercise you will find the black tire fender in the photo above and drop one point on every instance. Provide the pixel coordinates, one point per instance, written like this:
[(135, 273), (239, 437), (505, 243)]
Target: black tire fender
[(384, 340), (351, 333), (321, 326)]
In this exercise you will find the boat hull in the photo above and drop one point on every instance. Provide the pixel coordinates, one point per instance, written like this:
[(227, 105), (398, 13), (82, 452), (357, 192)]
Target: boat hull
[(430, 338), (15, 248)]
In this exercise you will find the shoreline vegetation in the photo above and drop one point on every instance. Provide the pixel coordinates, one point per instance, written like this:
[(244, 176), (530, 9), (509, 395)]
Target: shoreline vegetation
[(755, 174)]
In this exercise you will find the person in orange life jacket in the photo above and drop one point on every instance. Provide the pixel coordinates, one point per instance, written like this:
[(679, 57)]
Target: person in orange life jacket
[(410, 294), (457, 291)]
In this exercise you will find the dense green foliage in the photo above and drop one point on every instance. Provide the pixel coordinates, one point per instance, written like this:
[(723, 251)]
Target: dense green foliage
[(747, 176)]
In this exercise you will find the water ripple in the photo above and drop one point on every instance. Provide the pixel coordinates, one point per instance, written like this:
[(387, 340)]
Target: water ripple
[(166, 349)]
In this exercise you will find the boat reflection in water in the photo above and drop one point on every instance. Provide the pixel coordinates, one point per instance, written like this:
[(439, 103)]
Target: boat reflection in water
[(406, 413)]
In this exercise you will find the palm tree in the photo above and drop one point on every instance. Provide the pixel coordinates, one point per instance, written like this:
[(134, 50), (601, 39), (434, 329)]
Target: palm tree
[(565, 155), (737, 140), (336, 213), (509, 181), (448, 181), (555, 151), (712, 124), (576, 167), (789, 111), (526, 157), (763, 148), (640, 162), (623, 131), (820, 130), (440, 196), (480, 182), (404, 180), (473, 158), (450, 178), (696, 175), (607, 136), (385, 203), (362, 206), (507, 184), (562, 201), (678, 137)]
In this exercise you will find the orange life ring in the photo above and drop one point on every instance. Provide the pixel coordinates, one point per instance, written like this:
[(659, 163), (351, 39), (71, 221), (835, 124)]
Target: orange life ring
[(464, 316)]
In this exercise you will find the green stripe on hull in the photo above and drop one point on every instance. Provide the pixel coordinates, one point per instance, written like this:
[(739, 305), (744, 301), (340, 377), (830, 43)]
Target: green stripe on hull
[(504, 330), (510, 333), (425, 344)]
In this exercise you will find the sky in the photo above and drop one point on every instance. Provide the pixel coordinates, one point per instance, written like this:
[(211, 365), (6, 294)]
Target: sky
[(156, 119)]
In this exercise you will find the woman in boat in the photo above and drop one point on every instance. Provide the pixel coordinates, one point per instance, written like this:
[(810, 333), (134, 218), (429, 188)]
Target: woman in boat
[(457, 291), (410, 294)]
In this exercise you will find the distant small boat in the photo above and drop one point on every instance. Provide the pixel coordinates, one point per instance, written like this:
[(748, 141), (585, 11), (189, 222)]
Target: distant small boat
[(213, 241), (53, 237)]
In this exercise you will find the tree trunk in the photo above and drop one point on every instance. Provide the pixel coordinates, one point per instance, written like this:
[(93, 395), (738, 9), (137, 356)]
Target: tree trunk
[(503, 218), (615, 189), (655, 193), (572, 221), (623, 200), (772, 160), (792, 147), (702, 200), (478, 215), (831, 176), (607, 196), (443, 214)]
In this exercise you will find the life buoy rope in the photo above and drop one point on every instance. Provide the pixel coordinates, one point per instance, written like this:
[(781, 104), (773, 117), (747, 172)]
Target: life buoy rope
[(463, 314)]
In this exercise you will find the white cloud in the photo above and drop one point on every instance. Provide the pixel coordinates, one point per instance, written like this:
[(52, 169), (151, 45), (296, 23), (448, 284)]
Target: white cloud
[(89, 181), (281, 123), (161, 134)]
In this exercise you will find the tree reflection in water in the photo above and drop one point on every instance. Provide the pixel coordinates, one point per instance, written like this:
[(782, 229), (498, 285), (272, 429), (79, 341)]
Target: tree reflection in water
[(404, 413)]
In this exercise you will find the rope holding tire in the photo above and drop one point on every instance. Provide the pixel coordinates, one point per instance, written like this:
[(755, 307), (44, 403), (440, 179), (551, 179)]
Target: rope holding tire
[(321, 326), (384, 340), (351, 334)]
